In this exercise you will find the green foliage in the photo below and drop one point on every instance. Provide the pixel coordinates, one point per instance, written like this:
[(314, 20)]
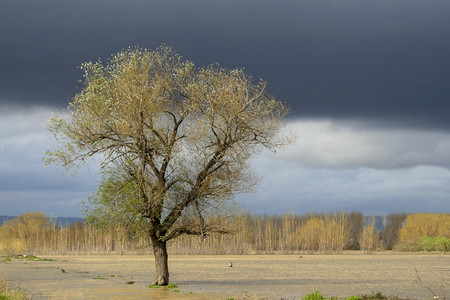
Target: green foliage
[(434, 243), (99, 277), (315, 295), (35, 258), (7, 294), (24, 257), (170, 286), (116, 204), (354, 298)]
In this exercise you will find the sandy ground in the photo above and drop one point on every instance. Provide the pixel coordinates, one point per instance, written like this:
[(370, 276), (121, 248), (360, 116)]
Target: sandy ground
[(251, 277)]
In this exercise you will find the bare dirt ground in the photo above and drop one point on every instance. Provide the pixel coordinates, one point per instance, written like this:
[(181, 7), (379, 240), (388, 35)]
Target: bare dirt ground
[(251, 277)]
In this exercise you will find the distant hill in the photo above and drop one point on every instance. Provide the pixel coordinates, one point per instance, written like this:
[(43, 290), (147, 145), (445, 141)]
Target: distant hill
[(65, 221), (59, 221), (3, 219), (378, 222)]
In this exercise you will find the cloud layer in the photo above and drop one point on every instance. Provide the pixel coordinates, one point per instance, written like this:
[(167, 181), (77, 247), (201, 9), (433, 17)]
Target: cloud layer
[(289, 187), (333, 166), (25, 185), (342, 145), (337, 165), (369, 59)]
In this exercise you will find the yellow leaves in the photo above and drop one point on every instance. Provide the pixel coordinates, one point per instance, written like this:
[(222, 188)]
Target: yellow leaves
[(122, 127), (418, 225), (310, 234), (324, 234), (22, 232)]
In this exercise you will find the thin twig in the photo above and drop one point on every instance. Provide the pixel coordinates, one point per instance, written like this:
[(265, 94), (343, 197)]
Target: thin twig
[(419, 282)]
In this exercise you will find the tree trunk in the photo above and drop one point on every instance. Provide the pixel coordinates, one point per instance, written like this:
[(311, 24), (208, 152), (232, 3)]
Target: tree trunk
[(161, 262)]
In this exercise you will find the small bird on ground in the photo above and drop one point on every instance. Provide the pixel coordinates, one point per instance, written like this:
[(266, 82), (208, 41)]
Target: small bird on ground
[(230, 264)]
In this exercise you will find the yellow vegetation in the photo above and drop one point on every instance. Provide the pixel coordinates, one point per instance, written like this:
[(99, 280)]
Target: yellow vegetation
[(370, 239), (424, 224), (34, 233)]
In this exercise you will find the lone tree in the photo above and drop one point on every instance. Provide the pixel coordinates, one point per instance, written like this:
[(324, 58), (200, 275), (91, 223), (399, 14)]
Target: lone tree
[(175, 141)]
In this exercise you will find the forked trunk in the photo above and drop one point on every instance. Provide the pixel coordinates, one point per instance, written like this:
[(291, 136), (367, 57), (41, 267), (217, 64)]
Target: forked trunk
[(161, 262)]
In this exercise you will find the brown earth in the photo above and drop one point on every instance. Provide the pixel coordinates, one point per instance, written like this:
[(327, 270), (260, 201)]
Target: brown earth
[(251, 277)]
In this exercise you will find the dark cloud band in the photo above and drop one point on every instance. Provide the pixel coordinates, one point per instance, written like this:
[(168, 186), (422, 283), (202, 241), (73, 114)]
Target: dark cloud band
[(377, 60)]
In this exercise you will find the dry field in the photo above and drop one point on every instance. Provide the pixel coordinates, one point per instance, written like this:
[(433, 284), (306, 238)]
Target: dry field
[(251, 277)]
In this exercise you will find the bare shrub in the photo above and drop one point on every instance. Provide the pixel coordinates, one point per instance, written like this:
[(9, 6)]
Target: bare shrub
[(370, 239)]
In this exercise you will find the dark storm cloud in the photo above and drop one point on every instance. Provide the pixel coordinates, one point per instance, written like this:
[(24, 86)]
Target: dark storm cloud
[(376, 60)]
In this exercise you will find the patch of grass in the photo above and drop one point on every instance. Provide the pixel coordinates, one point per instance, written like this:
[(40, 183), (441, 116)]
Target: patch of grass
[(172, 286), (7, 294), (434, 243), (63, 271), (99, 277), (154, 286), (24, 257), (31, 258), (177, 291), (315, 295)]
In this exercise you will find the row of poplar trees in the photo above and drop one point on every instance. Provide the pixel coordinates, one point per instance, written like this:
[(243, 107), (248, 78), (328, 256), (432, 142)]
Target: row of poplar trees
[(34, 233)]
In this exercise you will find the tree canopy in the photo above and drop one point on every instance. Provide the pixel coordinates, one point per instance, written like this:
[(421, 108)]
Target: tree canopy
[(175, 140)]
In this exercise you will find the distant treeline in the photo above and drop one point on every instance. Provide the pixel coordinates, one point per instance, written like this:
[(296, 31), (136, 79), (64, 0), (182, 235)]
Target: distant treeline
[(34, 233)]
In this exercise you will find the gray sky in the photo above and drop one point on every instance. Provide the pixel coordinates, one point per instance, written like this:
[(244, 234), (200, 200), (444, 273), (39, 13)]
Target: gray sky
[(368, 83)]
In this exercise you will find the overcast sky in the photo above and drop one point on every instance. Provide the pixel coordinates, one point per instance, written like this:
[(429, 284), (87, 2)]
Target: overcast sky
[(368, 83)]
